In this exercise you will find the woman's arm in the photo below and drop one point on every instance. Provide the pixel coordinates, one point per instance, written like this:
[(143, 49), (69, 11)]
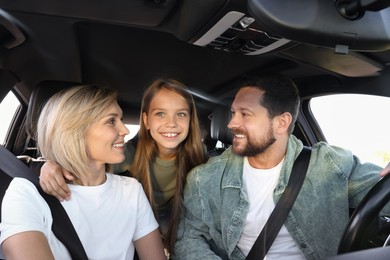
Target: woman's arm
[(29, 245), (52, 180), (150, 246)]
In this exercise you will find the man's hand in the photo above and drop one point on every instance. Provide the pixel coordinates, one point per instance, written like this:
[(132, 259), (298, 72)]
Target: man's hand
[(386, 170), (52, 180)]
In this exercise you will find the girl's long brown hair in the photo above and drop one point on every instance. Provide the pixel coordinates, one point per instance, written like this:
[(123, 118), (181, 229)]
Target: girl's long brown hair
[(189, 154)]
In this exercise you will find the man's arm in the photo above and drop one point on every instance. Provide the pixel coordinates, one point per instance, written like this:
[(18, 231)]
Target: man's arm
[(192, 232)]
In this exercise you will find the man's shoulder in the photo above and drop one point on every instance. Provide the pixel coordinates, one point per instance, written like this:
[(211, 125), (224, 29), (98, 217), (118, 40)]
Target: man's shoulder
[(215, 166), (216, 160), (324, 149)]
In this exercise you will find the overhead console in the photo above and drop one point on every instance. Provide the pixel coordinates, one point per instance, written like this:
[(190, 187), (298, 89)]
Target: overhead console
[(341, 24), (237, 32), (223, 25), (260, 26), (332, 35)]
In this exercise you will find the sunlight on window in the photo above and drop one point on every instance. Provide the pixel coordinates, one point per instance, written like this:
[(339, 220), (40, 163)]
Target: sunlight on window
[(8, 108), (133, 131), (356, 122)]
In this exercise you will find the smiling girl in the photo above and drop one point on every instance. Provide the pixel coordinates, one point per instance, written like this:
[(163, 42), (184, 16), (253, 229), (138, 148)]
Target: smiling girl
[(169, 146)]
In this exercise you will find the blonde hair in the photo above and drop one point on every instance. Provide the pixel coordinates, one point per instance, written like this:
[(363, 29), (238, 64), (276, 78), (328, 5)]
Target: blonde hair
[(189, 154), (64, 122)]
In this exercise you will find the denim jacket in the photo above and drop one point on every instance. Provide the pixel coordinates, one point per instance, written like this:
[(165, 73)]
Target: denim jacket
[(217, 204)]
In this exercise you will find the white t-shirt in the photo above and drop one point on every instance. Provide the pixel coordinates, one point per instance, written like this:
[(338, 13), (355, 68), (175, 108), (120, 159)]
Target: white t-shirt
[(107, 218), (260, 185)]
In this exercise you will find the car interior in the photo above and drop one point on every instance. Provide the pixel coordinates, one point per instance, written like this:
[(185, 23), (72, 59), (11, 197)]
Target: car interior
[(326, 47)]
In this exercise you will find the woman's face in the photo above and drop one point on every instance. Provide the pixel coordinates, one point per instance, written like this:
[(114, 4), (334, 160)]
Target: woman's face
[(105, 138), (168, 121)]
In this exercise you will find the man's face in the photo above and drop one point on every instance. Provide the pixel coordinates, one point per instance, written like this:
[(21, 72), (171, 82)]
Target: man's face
[(252, 128)]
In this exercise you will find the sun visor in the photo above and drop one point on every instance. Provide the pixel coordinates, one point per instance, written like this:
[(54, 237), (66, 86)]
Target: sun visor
[(342, 25)]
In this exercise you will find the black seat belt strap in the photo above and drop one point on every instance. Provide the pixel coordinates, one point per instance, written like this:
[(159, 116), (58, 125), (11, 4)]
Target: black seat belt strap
[(62, 226), (282, 208)]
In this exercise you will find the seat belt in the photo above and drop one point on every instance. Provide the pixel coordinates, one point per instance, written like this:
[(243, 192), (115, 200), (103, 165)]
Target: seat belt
[(62, 227), (282, 208)]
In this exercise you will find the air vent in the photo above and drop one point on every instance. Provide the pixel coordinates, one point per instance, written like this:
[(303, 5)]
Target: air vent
[(237, 33)]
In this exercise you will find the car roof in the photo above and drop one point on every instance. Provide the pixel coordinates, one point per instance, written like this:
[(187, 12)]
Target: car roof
[(127, 44)]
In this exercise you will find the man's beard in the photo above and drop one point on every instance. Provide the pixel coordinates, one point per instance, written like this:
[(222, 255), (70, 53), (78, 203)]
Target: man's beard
[(252, 148)]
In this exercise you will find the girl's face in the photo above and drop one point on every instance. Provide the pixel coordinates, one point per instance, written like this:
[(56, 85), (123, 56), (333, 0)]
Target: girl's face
[(105, 138), (168, 121)]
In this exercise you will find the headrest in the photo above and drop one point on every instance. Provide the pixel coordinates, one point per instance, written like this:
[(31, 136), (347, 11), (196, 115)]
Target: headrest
[(38, 98), (219, 121)]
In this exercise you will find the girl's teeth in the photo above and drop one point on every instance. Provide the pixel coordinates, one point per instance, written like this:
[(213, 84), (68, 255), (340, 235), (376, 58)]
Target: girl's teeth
[(170, 135)]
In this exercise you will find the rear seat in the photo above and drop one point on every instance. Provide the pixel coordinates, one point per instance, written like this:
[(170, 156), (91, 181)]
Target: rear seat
[(218, 129)]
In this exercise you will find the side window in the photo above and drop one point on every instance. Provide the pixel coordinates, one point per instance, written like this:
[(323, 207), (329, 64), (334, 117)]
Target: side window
[(8, 107), (359, 123)]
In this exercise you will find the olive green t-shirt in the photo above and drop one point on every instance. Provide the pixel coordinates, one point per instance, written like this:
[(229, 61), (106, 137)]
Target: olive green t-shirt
[(163, 175)]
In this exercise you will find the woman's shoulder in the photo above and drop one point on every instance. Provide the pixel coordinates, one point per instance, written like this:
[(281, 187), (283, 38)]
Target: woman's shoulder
[(119, 180), (23, 194), (22, 186)]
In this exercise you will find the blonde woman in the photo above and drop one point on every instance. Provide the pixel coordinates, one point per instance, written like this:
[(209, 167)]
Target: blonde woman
[(81, 130)]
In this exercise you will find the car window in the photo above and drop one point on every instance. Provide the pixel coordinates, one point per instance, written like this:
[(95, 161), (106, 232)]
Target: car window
[(356, 122), (133, 131), (8, 107)]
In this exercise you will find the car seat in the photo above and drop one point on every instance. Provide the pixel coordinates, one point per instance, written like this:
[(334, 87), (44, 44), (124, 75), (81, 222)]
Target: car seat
[(218, 129)]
